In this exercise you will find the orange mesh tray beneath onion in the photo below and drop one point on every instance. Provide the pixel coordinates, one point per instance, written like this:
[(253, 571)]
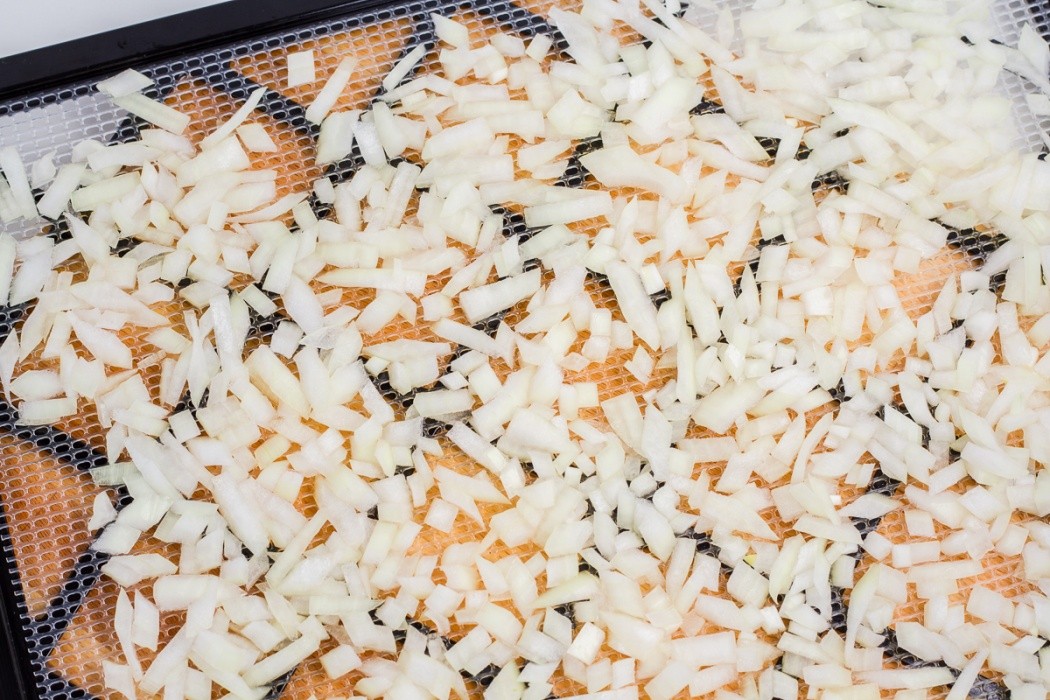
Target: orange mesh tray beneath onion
[(58, 611)]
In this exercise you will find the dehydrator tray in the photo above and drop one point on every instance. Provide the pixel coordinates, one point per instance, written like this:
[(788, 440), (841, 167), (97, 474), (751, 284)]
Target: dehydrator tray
[(57, 611)]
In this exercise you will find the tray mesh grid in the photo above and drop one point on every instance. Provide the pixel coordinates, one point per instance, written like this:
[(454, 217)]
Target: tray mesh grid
[(65, 610)]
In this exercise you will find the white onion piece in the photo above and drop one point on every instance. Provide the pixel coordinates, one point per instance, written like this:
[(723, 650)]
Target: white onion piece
[(102, 512), (300, 68), (340, 661), (14, 170), (450, 31), (124, 83), (637, 308), (236, 119), (238, 513), (102, 344), (329, 94), (43, 170), (283, 661), (620, 166), (129, 570), (387, 279), (961, 687), (337, 136), (586, 206), (93, 196), (116, 539), (272, 212), (909, 679), (403, 67), (481, 302), (156, 113), (120, 678), (223, 155), (472, 338), (255, 138), (45, 411)]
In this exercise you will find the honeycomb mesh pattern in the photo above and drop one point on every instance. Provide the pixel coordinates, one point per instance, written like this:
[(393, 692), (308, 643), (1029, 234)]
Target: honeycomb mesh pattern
[(64, 608)]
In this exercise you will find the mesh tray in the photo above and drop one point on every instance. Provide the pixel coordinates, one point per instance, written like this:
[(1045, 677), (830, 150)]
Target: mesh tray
[(58, 610)]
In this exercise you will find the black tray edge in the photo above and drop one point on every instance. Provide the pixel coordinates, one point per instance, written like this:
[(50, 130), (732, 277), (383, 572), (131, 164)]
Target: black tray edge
[(92, 56), (16, 668)]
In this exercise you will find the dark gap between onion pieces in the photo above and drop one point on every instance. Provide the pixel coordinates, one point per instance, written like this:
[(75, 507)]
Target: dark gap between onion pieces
[(978, 246)]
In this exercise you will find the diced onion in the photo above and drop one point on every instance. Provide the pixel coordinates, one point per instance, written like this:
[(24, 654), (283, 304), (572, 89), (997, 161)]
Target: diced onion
[(156, 113), (331, 91), (301, 68)]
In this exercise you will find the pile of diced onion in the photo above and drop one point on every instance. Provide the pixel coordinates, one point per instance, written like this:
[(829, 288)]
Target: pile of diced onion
[(775, 297)]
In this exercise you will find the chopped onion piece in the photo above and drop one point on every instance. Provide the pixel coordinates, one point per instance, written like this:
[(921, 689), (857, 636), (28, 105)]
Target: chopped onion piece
[(236, 119), (102, 512), (301, 68), (155, 113), (481, 302), (331, 91), (43, 170), (255, 138), (15, 172), (403, 67), (124, 83)]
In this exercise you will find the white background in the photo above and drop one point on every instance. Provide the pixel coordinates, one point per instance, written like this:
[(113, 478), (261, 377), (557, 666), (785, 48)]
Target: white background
[(31, 24)]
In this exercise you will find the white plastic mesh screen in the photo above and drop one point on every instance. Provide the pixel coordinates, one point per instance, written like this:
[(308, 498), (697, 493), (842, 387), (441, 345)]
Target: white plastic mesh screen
[(65, 610)]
